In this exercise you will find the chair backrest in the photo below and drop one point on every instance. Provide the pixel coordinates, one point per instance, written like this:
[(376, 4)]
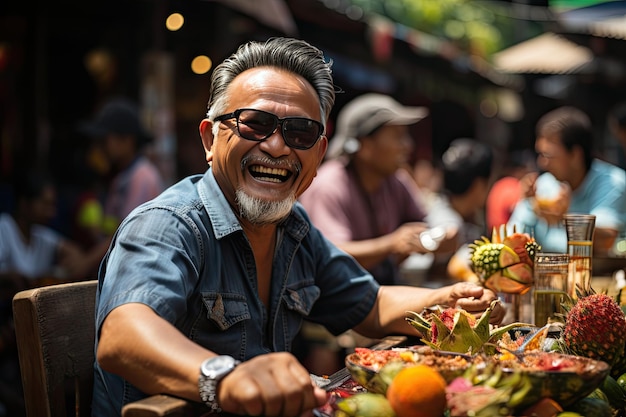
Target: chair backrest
[(55, 331)]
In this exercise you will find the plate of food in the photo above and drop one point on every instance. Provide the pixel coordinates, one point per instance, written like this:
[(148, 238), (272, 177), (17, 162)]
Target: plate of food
[(562, 377), (374, 369), (514, 380)]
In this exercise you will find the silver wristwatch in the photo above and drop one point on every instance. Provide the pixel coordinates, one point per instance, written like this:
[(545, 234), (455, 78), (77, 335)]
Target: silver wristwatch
[(212, 371)]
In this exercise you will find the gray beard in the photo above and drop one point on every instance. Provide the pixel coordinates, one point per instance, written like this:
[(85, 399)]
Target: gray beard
[(261, 212)]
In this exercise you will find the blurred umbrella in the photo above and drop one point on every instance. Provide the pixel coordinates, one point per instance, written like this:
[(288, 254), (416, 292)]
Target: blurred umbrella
[(545, 54)]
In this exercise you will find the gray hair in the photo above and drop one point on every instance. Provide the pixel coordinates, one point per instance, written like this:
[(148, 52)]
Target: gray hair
[(293, 55)]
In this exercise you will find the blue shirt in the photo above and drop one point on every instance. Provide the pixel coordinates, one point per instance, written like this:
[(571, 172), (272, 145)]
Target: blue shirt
[(602, 192), (185, 255)]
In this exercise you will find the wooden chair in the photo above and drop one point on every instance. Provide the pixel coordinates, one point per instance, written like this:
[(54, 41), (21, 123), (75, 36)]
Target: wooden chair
[(55, 330)]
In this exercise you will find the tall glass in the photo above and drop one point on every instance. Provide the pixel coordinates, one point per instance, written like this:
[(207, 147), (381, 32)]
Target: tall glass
[(550, 286), (579, 228)]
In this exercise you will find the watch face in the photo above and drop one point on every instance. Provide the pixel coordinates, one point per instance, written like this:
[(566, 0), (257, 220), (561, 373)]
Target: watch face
[(218, 365)]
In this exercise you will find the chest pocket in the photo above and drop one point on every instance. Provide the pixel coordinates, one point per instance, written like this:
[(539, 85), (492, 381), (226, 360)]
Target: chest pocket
[(222, 326), (225, 310), (301, 300)]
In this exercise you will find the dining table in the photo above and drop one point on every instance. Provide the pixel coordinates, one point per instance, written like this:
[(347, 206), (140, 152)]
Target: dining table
[(604, 281)]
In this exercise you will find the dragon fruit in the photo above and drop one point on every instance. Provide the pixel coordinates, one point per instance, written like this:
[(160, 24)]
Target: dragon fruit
[(505, 263), (456, 330)]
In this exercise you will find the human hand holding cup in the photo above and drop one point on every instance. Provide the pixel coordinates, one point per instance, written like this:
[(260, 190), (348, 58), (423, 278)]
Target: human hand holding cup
[(551, 198)]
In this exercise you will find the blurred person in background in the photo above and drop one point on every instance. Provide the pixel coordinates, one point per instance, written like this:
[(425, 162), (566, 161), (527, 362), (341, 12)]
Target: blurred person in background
[(130, 178), (87, 209), (363, 199), (510, 188), (564, 145), (429, 178), (467, 166), (366, 202), (31, 254)]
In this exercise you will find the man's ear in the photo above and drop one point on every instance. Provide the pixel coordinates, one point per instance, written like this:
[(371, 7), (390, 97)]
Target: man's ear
[(577, 154), (323, 147), (206, 134)]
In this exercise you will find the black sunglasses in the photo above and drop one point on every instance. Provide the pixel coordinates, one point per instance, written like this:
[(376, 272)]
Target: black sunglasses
[(258, 125)]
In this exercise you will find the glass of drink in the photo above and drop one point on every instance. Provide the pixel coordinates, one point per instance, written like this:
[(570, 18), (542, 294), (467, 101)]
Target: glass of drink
[(579, 228), (550, 286), (551, 195)]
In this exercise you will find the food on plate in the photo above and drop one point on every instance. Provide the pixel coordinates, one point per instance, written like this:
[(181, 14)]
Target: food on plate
[(562, 377), (508, 380), (519, 371), (375, 369), (485, 391)]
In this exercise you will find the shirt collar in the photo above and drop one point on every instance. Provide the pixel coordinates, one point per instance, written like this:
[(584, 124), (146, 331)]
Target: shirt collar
[(220, 212)]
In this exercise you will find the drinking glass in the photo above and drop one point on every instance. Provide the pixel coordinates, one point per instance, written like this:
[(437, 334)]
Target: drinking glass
[(550, 287), (550, 195), (579, 228)]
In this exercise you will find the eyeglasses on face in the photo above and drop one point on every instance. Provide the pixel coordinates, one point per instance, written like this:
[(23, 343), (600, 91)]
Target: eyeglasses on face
[(258, 125)]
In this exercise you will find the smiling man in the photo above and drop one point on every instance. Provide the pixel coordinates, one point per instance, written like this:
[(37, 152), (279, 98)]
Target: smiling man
[(204, 288)]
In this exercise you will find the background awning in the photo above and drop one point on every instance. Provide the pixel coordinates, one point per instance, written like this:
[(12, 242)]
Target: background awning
[(614, 28), (545, 54)]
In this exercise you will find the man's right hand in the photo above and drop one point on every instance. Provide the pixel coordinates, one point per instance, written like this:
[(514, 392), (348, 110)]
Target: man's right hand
[(273, 384), (406, 239), (552, 210)]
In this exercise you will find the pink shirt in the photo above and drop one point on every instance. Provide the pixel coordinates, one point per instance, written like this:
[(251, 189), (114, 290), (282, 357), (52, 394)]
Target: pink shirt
[(502, 198), (137, 184), (343, 212)]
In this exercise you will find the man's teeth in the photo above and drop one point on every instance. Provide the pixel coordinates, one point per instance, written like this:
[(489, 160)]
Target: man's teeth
[(271, 171), (269, 174), (269, 179)]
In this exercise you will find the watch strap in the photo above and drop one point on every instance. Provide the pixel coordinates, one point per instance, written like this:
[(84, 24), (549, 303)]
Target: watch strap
[(208, 394), (207, 387)]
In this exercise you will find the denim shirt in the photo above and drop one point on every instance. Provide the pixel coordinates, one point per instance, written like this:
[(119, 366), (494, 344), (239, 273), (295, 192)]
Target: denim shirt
[(185, 255)]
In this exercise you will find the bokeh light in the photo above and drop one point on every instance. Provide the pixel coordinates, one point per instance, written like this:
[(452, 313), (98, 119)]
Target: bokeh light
[(201, 64), (174, 22)]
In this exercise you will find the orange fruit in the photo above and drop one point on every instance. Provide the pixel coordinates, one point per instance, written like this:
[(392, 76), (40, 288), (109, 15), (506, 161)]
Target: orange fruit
[(418, 391)]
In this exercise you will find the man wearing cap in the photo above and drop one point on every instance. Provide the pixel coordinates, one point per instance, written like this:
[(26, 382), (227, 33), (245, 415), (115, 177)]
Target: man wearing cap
[(363, 199), (134, 179)]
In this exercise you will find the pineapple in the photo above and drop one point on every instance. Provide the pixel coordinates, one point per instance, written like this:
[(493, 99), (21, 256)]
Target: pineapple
[(505, 263), (595, 327)]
